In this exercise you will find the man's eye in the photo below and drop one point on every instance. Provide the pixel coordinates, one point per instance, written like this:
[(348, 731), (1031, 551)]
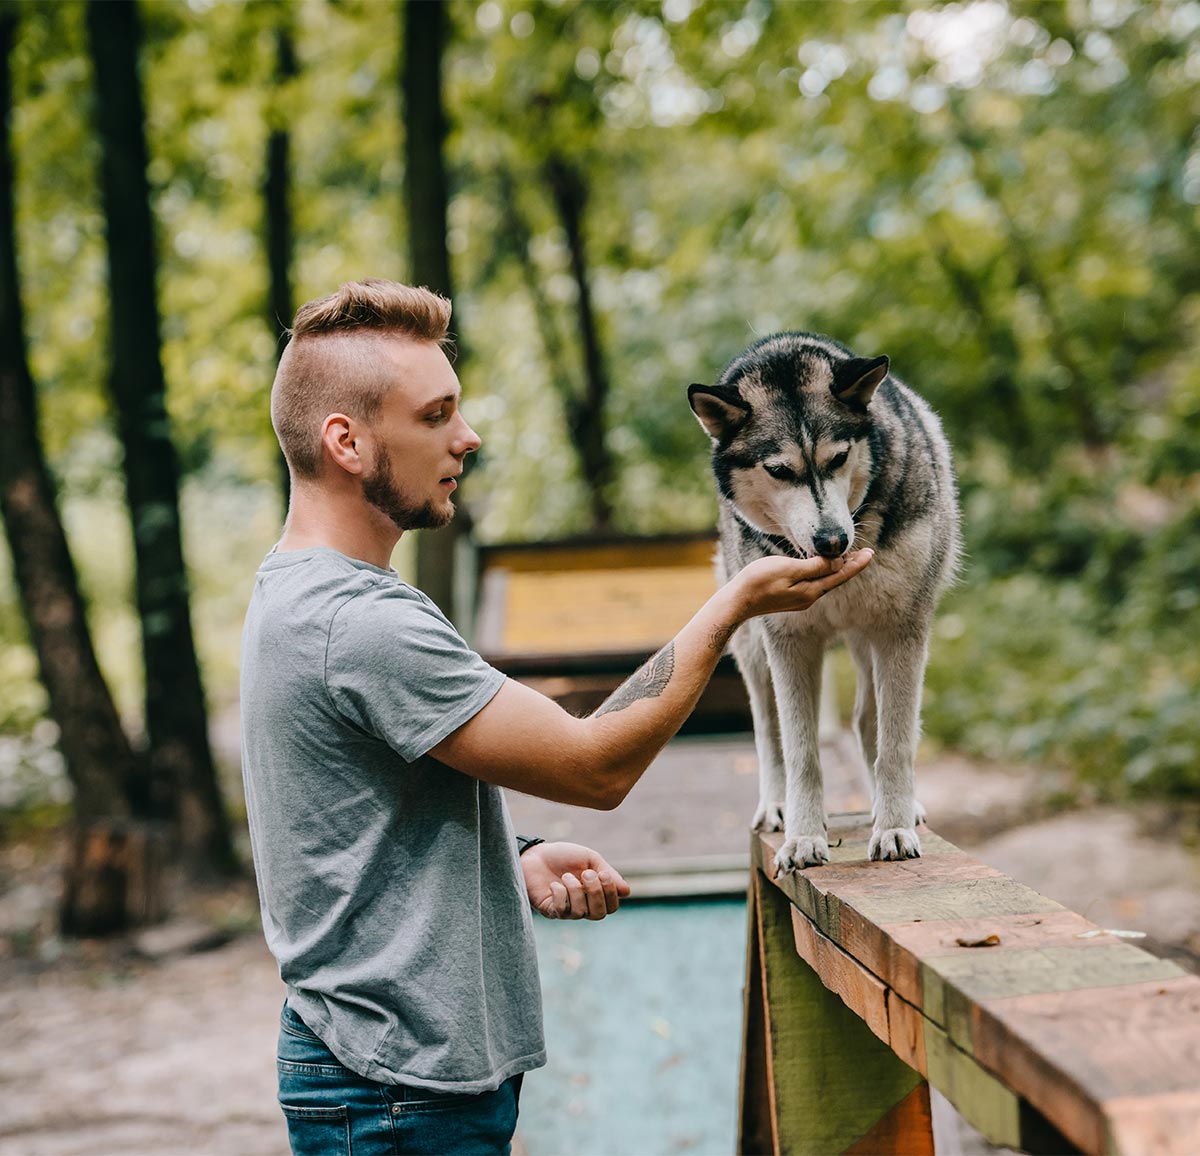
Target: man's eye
[(839, 461), (778, 470)]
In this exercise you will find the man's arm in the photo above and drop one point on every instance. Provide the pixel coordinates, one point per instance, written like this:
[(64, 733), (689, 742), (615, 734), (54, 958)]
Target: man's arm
[(526, 741)]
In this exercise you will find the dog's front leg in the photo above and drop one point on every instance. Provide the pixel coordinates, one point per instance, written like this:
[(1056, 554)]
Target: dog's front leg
[(796, 673), (899, 675)]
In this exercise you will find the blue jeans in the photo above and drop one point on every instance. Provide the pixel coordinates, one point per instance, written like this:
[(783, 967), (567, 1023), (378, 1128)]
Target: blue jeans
[(331, 1111)]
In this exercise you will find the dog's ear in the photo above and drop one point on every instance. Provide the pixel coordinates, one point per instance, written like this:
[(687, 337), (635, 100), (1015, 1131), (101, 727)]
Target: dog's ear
[(720, 408), (855, 381)]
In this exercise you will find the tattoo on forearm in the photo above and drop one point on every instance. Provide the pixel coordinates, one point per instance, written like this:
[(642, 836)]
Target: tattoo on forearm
[(719, 638), (648, 682)]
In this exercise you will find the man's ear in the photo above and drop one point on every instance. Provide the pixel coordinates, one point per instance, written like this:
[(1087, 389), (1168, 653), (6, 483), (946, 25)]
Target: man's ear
[(720, 408), (340, 443), (855, 381)]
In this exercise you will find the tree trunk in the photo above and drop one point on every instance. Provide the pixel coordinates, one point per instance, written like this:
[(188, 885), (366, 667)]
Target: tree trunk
[(108, 777), (587, 416), (176, 717), (424, 34), (277, 207)]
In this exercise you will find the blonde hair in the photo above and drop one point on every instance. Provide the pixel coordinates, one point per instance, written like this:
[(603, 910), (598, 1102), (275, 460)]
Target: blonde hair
[(332, 362)]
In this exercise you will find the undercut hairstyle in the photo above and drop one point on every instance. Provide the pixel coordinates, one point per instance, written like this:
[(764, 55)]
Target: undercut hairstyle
[(333, 362)]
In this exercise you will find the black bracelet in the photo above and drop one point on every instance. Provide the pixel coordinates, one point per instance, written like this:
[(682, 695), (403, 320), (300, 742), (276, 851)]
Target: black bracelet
[(524, 843)]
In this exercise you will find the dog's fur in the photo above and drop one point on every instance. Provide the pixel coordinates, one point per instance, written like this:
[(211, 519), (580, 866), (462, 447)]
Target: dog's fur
[(817, 451)]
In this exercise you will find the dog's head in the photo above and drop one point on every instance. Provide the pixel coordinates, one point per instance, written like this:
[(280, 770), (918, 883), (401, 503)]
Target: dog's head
[(790, 425)]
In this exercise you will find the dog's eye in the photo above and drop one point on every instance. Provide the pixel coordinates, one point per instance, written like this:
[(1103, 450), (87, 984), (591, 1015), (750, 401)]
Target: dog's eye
[(839, 461), (778, 470)]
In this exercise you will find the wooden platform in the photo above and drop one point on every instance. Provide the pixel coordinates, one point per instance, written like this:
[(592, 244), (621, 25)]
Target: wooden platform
[(546, 602), (574, 618), (1046, 1032)]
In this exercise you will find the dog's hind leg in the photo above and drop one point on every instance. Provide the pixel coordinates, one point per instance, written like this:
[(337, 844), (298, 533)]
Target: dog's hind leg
[(866, 712), (796, 670), (749, 650), (866, 721), (899, 674)]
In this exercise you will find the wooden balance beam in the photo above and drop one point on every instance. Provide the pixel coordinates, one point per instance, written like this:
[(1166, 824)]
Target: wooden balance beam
[(868, 983)]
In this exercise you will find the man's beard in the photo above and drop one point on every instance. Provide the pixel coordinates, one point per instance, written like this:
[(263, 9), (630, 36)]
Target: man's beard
[(381, 490)]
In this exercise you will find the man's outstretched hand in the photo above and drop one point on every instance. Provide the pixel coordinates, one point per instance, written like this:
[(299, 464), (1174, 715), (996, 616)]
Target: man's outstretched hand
[(567, 881)]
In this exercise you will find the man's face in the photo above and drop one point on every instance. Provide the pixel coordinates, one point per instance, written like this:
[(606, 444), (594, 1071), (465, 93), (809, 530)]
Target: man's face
[(420, 439)]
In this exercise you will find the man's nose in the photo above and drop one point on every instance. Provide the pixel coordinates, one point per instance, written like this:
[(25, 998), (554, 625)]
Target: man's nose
[(468, 441)]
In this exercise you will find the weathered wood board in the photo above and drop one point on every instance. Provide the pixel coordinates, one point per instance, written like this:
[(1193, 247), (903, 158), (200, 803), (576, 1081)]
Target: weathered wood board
[(615, 598), (1042, 1029)]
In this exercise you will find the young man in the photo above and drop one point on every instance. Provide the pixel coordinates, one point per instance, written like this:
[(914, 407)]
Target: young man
[(375, 744)]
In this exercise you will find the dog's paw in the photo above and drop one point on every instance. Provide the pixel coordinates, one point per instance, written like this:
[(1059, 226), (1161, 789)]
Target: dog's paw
[(802, 851), (894, 843), (768, 817), (918, 812)]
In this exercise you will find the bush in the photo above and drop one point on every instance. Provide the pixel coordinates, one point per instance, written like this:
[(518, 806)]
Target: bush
[(1088, 657)]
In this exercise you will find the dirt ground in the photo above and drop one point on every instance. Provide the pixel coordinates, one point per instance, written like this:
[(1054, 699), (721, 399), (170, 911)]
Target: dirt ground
[(163, 1043)]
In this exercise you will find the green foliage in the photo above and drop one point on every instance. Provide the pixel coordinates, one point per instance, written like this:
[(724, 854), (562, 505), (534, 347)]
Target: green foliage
[(1087, 655)]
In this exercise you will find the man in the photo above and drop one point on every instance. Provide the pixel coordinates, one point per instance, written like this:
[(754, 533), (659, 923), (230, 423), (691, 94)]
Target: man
[(375, 744)]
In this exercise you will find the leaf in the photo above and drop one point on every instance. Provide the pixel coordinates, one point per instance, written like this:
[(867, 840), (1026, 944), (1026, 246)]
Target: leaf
[(992, 940)]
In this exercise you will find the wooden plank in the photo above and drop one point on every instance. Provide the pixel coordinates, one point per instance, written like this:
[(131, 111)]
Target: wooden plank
[(975, 1092), (596, 609), (953, 986), (1168, 1124), (896, 1022), (978, 1096), (489, 620), (1055, 1037), (832, 1081), (628, 553), (904, 947), (958, 900), (1069, 1053), (906, 1033), (755, 1134), (857, 988), (907, 1128), (854, 902)]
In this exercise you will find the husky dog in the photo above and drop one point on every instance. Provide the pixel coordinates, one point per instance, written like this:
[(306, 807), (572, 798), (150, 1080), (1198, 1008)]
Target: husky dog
[(815, 452)]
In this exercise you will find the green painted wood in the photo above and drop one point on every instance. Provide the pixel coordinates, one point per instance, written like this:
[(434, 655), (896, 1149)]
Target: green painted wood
[(754, 1128), (833, 1079), (982, 1100), (952, 985)]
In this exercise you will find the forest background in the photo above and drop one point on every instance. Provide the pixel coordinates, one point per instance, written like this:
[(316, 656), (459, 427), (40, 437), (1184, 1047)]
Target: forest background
[(1004, 197)]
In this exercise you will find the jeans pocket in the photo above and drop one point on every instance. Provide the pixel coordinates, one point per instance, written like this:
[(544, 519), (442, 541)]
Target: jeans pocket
[(318, 1131)]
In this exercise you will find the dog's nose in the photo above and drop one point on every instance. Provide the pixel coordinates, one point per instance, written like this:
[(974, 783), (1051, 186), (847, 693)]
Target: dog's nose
[(830, 543)]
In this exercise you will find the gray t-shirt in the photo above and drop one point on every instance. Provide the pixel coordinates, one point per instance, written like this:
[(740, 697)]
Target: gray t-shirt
[(391, 892)]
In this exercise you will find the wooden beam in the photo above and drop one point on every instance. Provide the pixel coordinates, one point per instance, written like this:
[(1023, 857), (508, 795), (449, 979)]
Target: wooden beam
[(831, 1082), (1042, 1029)]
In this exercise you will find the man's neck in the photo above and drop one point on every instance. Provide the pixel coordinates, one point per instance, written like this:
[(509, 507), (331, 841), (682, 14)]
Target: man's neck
[(344, 530)]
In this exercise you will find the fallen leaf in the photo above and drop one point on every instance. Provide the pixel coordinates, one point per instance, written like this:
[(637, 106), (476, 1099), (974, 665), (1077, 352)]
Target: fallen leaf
[(992, 940)]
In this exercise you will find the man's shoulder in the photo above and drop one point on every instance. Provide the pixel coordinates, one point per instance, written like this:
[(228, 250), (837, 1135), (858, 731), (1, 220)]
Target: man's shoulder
[(326, 578)]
